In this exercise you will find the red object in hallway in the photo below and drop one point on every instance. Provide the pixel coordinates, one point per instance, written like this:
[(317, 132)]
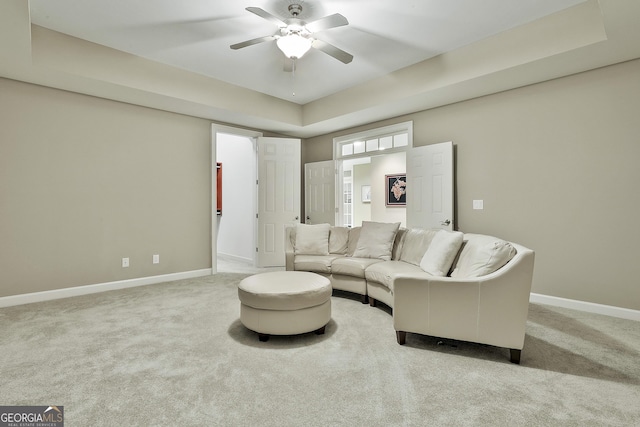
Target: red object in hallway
[(219, 188)]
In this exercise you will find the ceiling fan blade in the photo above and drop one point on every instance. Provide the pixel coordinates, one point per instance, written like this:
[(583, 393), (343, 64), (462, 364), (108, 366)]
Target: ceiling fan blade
[(331, 50), (331, 21), (252, 42), (266, 15)]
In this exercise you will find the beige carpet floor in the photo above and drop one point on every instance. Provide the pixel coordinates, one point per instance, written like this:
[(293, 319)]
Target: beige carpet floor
[(176, 354)]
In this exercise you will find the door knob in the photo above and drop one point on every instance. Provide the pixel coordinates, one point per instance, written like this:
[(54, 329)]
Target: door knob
[(445, 222), (308, 217), (296, 218)]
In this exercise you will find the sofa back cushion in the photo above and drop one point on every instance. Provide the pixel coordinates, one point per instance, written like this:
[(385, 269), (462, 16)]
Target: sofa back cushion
[(482, 255), (312, 239), (415, 244), (441, 253), (338, 240), (397, 244), (354, 235), (376, 240)]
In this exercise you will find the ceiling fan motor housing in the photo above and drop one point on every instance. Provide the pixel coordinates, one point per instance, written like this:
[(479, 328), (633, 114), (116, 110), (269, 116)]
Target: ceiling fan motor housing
[(295, 9)]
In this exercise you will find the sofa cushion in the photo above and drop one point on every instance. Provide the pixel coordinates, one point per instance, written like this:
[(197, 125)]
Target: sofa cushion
[(351, 266), (444, 247), (415, 244), (482, 255), (376, 240), (312, 239), (354, 235), (385, 272), (314, 263), (338, 240), (398, 243)]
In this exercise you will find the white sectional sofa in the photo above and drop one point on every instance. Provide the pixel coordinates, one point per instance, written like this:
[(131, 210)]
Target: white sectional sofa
[(468, 287)]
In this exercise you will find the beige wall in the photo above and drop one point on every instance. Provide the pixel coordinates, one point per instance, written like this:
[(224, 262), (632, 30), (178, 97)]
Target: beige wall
[(85, 182), (557, 165)]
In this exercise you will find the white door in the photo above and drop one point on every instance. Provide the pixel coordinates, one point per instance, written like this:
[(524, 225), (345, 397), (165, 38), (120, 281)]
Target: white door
[(278, 196), (320, 192), (430, 186)]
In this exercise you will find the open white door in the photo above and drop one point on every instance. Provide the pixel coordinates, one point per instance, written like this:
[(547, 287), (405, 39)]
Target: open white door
[(320, 192), (430, 182), (278, 196)]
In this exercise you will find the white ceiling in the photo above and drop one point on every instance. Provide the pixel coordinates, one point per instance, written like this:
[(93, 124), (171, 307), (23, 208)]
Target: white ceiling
[(382, 35), (409, 55)]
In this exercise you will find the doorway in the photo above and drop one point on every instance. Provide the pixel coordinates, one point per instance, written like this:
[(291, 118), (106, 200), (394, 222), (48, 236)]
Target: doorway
[(250, 227), (426, 173), (235, 225), (363, 159), (364, 189), (233, 228)]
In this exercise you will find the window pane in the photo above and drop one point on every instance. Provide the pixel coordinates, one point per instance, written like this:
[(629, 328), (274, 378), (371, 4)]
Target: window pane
[(358, 147), (347, 149), (372, 145), (346, 207), (401, 140), (386, 143)]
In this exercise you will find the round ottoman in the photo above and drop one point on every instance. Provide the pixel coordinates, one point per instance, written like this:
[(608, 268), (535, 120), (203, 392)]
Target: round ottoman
[(285, 303)]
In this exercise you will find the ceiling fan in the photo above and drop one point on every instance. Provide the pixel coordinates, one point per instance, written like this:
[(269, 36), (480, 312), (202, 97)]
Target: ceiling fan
[(295, 36)]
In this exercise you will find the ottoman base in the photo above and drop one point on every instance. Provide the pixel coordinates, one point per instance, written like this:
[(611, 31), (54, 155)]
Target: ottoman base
[(285, 322), (265, 337)]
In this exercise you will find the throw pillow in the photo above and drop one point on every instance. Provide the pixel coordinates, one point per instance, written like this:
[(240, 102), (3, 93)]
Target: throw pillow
[(415, 244), (312, 239), (485, 259), (376, 240), (444, 247)]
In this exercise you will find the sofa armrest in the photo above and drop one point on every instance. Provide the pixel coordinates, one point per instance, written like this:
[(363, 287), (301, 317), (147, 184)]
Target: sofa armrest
[(289, 253), (491, 309)]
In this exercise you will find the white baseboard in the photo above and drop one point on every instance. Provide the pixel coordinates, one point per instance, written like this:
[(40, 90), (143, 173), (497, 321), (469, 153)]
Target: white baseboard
[(100, 287), (607, 310), (229, 257)]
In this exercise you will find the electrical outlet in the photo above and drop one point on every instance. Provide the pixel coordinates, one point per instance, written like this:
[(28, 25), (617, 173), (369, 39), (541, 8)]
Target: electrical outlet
[(156, 259), (125, 262)]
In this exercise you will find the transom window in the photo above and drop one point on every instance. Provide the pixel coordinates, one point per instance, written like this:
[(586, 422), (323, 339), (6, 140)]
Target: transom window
[(373, 142)]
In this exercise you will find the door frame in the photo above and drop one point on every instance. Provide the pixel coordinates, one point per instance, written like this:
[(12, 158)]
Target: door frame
[(362, 137), (215, 130)]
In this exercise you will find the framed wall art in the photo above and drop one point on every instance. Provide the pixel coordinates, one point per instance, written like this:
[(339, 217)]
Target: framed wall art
[(396, 186), (366, 194)]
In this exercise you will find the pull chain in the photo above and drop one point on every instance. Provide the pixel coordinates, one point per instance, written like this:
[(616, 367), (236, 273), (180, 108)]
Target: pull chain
[(293, 76)]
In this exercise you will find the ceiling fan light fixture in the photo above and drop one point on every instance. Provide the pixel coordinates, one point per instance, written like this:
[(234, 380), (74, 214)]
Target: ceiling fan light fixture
[(293, 45)]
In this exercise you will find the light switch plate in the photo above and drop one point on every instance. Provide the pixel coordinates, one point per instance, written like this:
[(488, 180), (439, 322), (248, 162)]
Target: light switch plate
[(156, 259), (478, 204)]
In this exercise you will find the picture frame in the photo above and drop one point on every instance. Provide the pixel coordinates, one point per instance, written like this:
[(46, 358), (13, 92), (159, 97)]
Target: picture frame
[(366, 194), (396, 189)]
